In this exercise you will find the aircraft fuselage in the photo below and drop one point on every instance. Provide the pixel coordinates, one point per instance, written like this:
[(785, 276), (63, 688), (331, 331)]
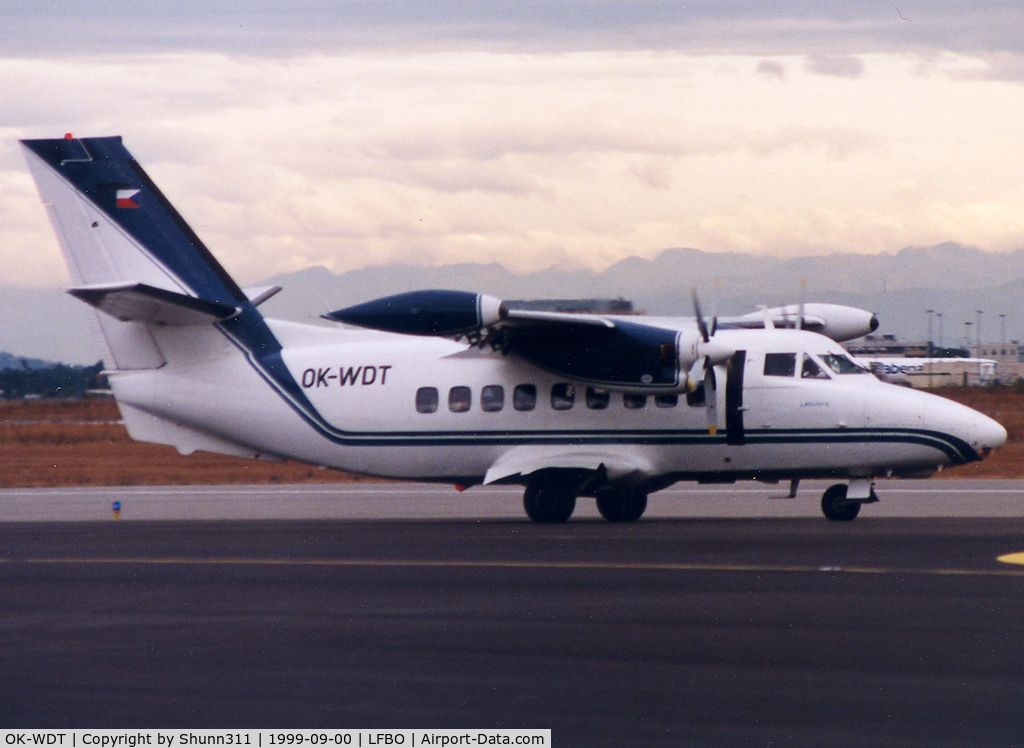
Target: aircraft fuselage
[(440, 410)]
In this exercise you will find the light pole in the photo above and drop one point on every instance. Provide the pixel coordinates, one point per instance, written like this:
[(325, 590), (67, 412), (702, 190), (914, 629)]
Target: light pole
[(929, 312), (978, 332), (942, 342)]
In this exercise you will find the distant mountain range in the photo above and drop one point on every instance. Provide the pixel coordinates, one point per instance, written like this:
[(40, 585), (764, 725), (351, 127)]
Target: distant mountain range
[(953, 280), (9, 361)]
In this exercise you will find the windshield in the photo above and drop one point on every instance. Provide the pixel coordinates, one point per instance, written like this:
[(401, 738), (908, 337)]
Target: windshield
[(840, 364), (811, 369)]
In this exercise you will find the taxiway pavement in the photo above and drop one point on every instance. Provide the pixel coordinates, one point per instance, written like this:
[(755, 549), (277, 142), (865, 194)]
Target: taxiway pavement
[(675, 631)]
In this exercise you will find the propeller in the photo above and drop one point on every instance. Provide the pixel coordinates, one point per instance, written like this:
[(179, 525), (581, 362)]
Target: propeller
[(711, 397), (800, 310), (706, 392), (785, 309), (702, 324)]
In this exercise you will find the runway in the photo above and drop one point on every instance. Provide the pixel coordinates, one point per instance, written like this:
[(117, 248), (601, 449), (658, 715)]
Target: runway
[(702, 630), (395, 501)]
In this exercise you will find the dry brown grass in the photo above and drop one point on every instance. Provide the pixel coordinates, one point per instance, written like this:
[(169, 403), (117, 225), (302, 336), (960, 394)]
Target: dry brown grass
[(1006, 406), (81, 443)]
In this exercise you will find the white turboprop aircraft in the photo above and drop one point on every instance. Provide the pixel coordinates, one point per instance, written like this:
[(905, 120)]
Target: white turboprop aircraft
[(449, 386)]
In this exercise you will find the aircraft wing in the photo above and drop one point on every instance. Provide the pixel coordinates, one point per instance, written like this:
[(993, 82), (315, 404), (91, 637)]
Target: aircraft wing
[(622, 353), (636, 354)]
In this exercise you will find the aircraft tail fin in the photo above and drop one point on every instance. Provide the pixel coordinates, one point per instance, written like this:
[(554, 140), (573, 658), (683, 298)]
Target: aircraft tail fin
[(131, 254)]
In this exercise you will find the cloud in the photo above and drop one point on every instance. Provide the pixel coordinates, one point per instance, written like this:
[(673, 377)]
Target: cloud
[(532, 153), (270, 28), (995, 67), (840, 67), (772, 68)]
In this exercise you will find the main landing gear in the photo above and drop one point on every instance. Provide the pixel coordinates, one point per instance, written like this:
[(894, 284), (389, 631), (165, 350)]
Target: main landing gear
[(549, 502), (622, 504), (552, 500), (839, 505)]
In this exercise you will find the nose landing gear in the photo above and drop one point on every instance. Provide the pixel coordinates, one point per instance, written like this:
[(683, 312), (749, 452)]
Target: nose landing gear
[(841, 503)]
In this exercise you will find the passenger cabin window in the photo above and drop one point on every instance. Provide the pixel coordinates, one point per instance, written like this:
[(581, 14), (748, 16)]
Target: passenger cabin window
[(524, 397), (811, 370), (634, 401), (840, 364), (563, 395), (492, 398), (779, 364), (597, 399), (460, 399), (426, 400), (666, 401)]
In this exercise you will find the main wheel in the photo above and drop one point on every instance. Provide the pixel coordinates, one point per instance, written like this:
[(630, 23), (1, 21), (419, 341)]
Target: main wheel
[(621, 504), (835, 506), (548, 503)]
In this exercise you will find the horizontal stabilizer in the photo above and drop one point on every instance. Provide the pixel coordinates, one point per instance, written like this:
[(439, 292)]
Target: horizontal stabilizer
[(139, 302), (258, 295)]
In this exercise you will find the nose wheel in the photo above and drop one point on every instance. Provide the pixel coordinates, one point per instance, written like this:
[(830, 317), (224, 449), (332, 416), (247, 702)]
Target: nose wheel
[(836, 507)]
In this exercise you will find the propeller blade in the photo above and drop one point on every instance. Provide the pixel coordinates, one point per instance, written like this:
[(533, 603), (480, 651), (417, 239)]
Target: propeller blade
[(803, 294), (695, 383), (702, 325), (711, 398)]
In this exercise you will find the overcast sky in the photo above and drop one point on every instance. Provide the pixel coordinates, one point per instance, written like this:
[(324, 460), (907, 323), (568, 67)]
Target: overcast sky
[(564, 133)]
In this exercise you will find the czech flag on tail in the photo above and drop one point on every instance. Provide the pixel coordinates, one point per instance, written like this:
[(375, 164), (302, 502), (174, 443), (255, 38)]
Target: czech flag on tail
[(126, 198)]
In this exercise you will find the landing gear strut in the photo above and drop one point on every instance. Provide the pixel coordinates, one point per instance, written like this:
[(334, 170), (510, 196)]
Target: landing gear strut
[(621, 504), (836, 507)]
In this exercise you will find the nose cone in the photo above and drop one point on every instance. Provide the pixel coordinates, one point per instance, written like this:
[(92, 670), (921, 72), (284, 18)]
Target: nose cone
[(988, 435), (981, 433)]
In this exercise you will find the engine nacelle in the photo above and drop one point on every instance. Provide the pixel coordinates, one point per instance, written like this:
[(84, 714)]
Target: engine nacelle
[(832, 320), (444, 313)]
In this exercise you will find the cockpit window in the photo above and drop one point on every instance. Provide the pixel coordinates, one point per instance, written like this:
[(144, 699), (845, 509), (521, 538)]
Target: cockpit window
[(779, 364), (811, 369), (840, 364)]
